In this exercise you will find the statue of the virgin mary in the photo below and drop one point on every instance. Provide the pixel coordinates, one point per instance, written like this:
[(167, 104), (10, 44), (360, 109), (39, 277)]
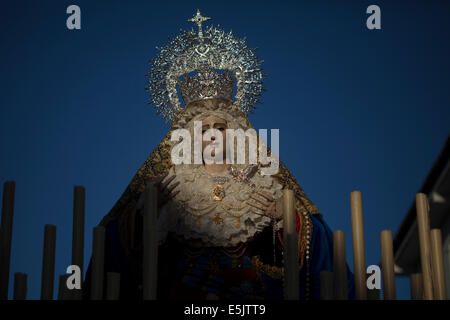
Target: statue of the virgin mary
[(219, 224)]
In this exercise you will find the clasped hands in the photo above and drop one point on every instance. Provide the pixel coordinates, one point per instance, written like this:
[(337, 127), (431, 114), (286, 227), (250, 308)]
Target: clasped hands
[(262, 202)]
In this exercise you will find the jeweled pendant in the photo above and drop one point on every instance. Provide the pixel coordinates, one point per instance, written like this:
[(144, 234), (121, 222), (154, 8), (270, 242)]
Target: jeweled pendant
[(218, 193)]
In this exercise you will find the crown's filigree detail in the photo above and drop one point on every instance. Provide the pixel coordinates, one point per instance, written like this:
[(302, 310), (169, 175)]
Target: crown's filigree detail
[(206, 84), (211, 49)]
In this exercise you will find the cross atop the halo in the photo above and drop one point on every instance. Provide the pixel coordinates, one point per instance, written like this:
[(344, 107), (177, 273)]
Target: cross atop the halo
[(199, 19)]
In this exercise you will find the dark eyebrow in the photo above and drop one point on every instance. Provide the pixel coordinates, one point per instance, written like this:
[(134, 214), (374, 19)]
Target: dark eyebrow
[(220, 124)]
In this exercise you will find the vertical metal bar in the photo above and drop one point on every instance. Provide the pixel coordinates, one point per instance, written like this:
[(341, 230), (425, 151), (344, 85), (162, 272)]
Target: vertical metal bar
[(416, 286), (339, 266), (437, 265), (150, 245), (6, 236), (423, 223), (358, 245), (48, 262), (98, 263), (387, 263), (78, 233), (20, 286)]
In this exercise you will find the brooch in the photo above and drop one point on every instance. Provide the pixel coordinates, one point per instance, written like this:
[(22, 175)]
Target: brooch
[(217, 218), (218, 193), (244, 175)]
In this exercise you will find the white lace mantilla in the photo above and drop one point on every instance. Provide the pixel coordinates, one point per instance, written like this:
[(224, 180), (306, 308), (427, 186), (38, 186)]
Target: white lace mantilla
[(194, 214)]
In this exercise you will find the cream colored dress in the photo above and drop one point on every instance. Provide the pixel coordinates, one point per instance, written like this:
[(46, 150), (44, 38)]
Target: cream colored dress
[(196, 213)]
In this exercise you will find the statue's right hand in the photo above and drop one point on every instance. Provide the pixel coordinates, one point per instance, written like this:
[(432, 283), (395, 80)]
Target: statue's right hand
[(165, 190)]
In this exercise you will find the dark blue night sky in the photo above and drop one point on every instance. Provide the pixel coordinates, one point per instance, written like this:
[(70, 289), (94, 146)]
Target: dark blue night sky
[(357, 109)]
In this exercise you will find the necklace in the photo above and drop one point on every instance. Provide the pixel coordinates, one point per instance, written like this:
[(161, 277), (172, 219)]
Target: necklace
[(199, 216), (228, 209), (220, 179)]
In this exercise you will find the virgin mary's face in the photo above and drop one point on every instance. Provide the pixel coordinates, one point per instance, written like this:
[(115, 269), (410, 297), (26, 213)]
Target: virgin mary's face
[(216, 123)]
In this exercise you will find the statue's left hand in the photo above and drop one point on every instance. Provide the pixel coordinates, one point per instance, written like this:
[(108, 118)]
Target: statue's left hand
[(265, 203)]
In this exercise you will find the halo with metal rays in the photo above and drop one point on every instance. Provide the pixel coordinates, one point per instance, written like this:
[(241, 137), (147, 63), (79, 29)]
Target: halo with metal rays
[(214, 47)]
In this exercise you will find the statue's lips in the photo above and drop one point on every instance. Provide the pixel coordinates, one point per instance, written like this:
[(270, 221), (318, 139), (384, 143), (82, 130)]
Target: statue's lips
[(214, 144)]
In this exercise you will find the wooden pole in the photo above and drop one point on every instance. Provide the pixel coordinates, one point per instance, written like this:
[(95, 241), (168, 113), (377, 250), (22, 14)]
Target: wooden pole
[(423, 223), (98, 263), (113, 286), (416, 286), (437, 265), (6, 236), (290, 254), (339, 266), (359, 258), (326, 285), (150, 230), (78, 234), (20, 286), (48, 263), (387, 265)]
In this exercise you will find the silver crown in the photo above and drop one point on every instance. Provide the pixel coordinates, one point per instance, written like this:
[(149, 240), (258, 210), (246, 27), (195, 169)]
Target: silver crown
[(209, 50), (206, 84)]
